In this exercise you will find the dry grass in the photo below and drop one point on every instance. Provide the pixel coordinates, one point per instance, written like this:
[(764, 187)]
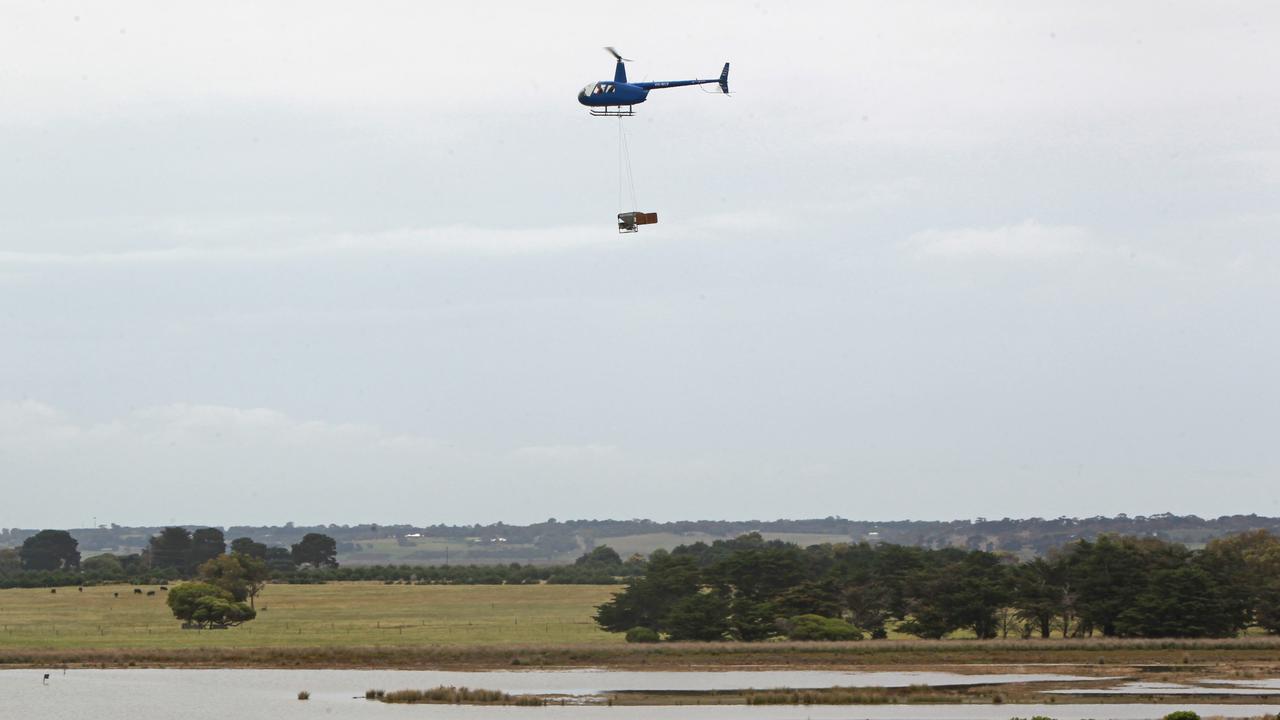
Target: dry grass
[(301, 616), (405, 626)]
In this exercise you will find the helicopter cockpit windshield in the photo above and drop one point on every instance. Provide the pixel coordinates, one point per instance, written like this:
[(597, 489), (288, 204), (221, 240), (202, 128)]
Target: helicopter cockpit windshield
[(597, 89)]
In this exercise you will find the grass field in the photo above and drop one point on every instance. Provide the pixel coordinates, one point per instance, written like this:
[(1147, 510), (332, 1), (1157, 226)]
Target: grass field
[(311, 615), (488, 626)]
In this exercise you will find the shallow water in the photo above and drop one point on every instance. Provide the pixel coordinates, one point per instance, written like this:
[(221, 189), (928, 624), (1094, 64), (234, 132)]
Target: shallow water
[(222, 694), (1210, 687)]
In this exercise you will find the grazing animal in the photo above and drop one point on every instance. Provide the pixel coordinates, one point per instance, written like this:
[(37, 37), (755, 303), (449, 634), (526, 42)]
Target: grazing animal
[(80, 589), (164, 588), (137, 591), (151, 593), (116, 594), (53, 591)]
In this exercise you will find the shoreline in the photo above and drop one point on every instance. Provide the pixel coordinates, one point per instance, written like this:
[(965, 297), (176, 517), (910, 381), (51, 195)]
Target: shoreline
[(1236, 656)]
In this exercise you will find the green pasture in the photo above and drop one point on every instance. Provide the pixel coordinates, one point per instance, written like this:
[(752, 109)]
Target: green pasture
[(335, 614)]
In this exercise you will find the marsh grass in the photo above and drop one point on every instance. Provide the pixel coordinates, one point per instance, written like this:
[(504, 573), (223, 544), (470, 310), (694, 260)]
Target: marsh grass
[(853, 696), (450, 695)]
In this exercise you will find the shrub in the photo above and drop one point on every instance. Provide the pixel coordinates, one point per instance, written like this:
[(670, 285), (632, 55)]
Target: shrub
[(1182, 715), (304, 695), (816, 627), (642, 635)]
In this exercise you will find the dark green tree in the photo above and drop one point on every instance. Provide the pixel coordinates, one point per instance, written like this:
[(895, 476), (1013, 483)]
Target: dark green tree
[(49, 550), (810, 598), (247, 546), (206, 544), (603, 556), (171, 549), (1037, 593), (279, 560), (1108, 575), (10, 563), (316, 550), (752, 620), (646, 601), (1180, 602), (959, 590), (702, 616)]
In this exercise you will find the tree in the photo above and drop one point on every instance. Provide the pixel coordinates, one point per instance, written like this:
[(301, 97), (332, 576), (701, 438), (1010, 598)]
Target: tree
[(204, 605), (1246, 568), (247, 546), (602, 555), (182, 598), (49, 550), (255, 575), (1179, 602), (702, 616), (279, 559), (750, 620), (241, 575), (316, 550), (1037, 593), (10, 563), (1108, 576), (103, 567), (227, 573), (211, 611), (171, 549), (206, 544), (646, 600)]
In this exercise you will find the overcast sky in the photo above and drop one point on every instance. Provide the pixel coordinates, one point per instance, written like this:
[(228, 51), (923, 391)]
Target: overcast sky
[(349, 262)]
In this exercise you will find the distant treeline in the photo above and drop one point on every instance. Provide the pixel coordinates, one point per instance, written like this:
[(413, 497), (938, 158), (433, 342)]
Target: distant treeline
[(750, 589), (50, 558), (552, 539)]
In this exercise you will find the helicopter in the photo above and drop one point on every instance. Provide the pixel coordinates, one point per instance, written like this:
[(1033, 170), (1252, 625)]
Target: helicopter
[(603, 95)]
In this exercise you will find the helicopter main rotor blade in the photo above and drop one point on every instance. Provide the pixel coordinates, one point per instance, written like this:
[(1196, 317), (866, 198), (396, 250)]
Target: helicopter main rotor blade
[(612, 51)]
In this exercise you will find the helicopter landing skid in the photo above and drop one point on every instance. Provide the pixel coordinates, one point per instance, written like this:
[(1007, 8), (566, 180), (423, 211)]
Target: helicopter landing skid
[(606, 112)]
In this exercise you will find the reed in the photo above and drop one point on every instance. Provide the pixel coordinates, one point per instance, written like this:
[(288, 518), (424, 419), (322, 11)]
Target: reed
[(450, 695)]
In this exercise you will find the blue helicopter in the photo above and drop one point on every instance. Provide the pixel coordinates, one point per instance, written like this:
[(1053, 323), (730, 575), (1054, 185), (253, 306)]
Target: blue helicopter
[(603, 95)]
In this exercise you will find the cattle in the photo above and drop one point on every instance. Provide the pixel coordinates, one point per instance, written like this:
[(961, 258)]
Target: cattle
[(53, 591), (115, 594), (151, 593), (137, 591)]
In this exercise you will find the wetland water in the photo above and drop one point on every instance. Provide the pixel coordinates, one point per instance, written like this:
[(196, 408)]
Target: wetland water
[(219, 694)]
